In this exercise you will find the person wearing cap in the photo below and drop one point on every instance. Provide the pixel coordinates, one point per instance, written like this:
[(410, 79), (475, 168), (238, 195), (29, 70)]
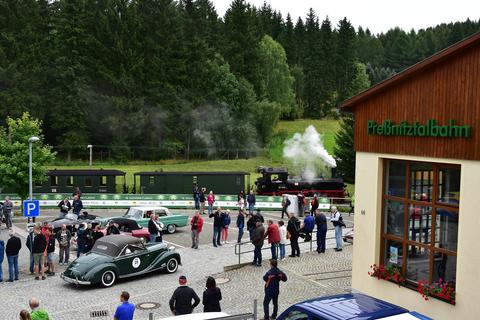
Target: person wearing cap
[(181, 300), (11, 250)]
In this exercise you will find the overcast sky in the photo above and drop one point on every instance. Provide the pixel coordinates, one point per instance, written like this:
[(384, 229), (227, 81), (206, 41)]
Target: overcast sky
[(377, 15)]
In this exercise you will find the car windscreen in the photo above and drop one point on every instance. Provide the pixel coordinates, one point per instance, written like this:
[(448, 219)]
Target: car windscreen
[(134, 213), (105, 248)]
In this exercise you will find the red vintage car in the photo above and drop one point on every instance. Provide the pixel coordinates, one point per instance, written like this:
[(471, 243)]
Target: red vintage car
[(129, 227)]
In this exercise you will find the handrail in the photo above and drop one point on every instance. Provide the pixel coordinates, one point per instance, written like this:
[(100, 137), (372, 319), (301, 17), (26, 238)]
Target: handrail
[(239, 245)]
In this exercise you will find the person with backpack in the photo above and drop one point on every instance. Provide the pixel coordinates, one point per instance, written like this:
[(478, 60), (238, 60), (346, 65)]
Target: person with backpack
[(197, 224), (337, 220), (293, 229), (226, 223), (285, 203)]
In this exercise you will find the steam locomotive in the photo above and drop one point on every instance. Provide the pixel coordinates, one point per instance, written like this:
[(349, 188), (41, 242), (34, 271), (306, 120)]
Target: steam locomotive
[(276, 181)]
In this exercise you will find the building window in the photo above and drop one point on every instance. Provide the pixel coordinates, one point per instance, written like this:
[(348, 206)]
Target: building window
[(151, 180), (103, 180), (88, 182), (53, 181), (420, 220), (69, 182)]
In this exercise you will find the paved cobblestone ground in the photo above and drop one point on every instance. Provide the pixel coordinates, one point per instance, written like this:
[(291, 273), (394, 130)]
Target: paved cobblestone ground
[(310, 275)]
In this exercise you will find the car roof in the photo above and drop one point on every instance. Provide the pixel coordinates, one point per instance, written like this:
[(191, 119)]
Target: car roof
[(124, 221), (119, 240), (349, 306), (198, 316), (150, 208)]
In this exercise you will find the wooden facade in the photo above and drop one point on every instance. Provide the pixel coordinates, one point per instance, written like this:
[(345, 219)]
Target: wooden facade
[(443, 87)]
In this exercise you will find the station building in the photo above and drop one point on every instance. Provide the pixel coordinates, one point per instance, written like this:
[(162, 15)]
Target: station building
[(417, 186)]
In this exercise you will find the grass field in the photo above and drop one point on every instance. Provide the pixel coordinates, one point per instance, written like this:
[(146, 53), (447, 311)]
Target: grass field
[(273, 157)]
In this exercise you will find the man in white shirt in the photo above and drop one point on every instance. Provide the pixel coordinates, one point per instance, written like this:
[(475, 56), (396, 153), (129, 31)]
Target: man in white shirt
[(335, 217)]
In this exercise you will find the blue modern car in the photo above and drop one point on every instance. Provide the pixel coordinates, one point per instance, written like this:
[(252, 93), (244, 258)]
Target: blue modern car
[(353, 306)]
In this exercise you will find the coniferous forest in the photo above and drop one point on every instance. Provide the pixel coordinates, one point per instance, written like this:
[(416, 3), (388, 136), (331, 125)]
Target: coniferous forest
[(164, 78)]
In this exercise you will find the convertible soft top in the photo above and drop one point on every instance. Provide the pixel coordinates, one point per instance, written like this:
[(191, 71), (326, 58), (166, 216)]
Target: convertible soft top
[(112, 245)]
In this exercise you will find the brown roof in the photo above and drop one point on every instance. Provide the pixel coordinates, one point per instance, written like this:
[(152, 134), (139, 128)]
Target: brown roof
[(421, 66)]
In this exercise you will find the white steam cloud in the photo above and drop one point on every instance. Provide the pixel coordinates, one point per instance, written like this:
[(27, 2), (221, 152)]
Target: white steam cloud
[(307, 154)]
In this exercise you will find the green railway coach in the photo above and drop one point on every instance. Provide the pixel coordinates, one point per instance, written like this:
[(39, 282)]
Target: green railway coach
[(161, 182)]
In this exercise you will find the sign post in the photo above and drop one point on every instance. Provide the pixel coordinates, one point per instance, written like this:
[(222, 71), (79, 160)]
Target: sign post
[(31, 208)]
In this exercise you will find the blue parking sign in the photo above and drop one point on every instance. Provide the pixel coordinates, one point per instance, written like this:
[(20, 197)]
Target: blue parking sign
[(31, 208)]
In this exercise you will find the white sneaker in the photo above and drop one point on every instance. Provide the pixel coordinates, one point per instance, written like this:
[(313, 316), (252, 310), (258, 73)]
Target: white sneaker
[(226, 242)]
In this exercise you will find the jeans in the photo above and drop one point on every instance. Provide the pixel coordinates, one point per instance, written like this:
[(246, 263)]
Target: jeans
[(12, 267), (257, 255), (64, 254), (1, 272), (80, 248), (210, 209), (274, 249), (240, 235), (195, 237), (153, 238), (295, 247), (197, 204), (282, 250), (338, 236), (8, 219), (266, 301), (251, 208), (321, 235), (217, 231)]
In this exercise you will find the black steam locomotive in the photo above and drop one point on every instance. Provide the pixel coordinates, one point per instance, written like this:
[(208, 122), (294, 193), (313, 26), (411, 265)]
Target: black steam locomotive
[(276, 181)]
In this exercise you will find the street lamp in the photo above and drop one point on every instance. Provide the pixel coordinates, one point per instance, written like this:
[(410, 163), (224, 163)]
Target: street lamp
[(90, 147), (30, 185)]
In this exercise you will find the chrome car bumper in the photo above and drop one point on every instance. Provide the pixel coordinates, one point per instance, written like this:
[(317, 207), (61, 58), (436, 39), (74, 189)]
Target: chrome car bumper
[(74, 281)]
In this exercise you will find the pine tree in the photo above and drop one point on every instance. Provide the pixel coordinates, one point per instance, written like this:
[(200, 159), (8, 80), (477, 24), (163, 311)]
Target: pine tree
[(344, 139), (346, 58)]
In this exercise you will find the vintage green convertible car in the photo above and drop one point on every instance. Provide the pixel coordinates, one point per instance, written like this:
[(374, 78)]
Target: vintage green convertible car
[(170, 221), (120, 256)]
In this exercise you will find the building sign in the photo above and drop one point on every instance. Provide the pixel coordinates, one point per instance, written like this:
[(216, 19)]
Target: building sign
[(429, 129)]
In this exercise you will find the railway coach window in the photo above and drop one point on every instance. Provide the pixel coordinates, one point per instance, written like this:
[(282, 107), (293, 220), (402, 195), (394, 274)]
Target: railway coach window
[(69, 182), (420, 220), (88, 182)]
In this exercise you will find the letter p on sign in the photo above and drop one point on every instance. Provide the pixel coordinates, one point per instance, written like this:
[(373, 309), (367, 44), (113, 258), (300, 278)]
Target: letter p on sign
[(31, 208)]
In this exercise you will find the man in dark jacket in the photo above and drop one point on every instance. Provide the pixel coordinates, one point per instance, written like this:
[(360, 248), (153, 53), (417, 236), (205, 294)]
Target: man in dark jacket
[(314, 205), (112, 228), (50, 252), (2, 255), (181, 300), (217, 226), (293, 229), (77, 205), (240, 225), (258, 235), (29, 244), (38, 248), (251, 202), (81, 239), (272, 288), (285, 204), (11, 250), (153, 228), (201, 198), (321, 222), (196, 197)]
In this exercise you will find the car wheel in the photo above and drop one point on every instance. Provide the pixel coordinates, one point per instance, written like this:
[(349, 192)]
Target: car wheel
[(171, 228), (108, 278), (172, 265)]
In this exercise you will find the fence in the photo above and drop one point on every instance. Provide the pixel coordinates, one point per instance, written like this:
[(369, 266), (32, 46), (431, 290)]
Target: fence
[(239, 252)]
